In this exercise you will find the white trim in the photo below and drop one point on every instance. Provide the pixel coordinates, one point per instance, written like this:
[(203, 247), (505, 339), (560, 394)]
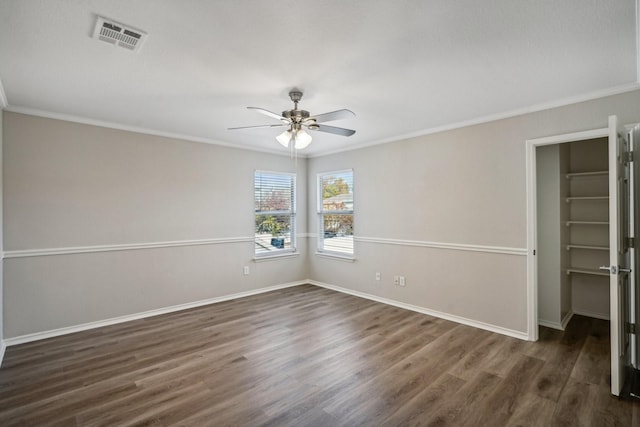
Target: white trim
[(276, 256), (550, 324), (570, 137), (617, 90), (567, 318), (3, 100), (122, 247), (638, 41), (423, 310), (587, 313), (121, 319), (441, 245), (115, 320), (532, 243), (133, 246), (128, 128), (532, 218), (555, 325), (336, 256), (3, 347)]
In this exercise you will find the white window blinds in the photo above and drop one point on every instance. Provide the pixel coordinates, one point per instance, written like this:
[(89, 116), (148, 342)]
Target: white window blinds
[(274, 199)]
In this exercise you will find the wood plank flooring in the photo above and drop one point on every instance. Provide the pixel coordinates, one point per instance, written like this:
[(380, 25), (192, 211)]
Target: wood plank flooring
[(308, 356)]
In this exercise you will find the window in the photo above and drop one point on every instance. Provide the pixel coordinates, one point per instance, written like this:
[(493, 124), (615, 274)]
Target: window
[(335, 209), (274, 199)]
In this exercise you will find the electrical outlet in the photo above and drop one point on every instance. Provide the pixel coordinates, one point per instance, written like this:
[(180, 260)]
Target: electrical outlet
[(245, 270), (402, 281), (378, 277), (396, 280)]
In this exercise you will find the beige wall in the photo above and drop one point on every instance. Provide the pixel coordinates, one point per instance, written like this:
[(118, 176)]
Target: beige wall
[(465, 186), (2, 345), (69, 185)]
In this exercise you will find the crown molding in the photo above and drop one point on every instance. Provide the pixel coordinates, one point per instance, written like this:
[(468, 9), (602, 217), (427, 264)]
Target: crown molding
[(142, 130), (617, 90)]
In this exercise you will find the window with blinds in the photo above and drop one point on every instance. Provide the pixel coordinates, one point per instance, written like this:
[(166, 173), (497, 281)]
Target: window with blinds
[(274, 199), (335, 210)]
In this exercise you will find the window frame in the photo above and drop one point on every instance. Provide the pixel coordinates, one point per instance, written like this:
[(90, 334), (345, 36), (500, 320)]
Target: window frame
[(277, 252), (320, 245)]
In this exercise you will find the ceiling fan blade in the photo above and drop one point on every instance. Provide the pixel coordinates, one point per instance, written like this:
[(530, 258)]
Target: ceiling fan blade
[(269, 113), (334, 115), (335, 130), (260, 126)]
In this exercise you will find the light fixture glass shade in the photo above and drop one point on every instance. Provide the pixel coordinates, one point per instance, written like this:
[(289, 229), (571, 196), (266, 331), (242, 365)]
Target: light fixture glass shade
[(284, 138), (303, 139)]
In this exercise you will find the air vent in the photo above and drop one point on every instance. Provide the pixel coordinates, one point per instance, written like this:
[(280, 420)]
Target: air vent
[(119, 34)]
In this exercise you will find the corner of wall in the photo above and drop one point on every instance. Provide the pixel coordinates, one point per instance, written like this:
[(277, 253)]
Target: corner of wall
[(3, 104)]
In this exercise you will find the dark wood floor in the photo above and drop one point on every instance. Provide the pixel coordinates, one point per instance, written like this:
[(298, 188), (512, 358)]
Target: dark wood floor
[(308, 356)]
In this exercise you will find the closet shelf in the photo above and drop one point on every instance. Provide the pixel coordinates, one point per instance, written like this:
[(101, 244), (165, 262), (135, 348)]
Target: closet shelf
[(569, 223), (595, 248), (586, 174), (578, 198), (586, 271)]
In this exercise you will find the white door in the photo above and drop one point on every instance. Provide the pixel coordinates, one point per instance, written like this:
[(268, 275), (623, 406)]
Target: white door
[(619, 255), (632, 295)]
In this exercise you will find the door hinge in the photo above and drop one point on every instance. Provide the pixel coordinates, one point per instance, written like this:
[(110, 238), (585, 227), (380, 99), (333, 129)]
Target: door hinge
[(628, 157), (629, 242), (630, 328)]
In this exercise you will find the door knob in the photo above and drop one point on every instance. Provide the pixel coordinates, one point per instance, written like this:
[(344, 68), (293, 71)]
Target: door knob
[(611, 269), (615, 269)]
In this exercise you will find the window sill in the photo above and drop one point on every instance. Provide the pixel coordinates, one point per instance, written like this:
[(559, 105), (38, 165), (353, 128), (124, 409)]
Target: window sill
[(345, 258), (274, 257)]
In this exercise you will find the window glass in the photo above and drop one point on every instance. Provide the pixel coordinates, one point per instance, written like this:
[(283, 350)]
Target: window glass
[(335, 209)]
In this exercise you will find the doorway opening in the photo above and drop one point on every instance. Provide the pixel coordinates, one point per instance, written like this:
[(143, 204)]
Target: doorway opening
[(581, 232), (572, 208)]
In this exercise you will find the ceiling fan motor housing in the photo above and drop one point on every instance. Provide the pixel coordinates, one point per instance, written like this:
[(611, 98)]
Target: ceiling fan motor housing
[(296, 115), (296, 119)]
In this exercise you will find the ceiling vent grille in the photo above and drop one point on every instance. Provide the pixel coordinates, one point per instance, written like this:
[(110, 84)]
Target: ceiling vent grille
[(119, 34)]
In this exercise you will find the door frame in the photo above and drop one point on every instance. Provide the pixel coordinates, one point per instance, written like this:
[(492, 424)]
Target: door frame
[(532, 217)]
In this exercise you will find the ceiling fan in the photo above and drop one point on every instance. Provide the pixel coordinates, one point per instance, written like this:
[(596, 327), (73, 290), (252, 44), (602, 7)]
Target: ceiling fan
[(297, 121)]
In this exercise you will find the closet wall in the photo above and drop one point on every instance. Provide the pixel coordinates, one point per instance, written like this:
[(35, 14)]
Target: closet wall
[(573, 232), (588, 245), (554, 286)]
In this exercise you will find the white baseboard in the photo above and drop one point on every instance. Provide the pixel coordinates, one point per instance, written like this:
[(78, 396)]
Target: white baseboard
[(115, 320), (549, 324), (567, 319), (434, 313), (561, 326), (107, 322), (603, 316)]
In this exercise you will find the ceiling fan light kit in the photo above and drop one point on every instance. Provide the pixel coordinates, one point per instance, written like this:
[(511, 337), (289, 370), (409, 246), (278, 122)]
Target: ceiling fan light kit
[(297, 121)]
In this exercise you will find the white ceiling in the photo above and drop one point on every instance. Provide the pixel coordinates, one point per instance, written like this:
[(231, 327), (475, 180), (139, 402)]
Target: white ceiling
[(405, 67)]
